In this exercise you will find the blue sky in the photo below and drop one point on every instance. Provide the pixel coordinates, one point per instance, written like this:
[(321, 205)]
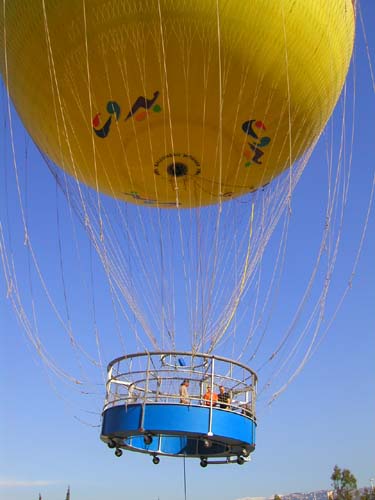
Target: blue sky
[(326, 416)]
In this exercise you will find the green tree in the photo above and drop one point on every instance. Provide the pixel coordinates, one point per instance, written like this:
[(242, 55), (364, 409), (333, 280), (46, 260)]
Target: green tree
[(276, 497), (344, 483)]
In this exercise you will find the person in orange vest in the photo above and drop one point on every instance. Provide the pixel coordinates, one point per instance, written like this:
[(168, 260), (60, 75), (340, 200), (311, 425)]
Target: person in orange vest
[(210, 396)]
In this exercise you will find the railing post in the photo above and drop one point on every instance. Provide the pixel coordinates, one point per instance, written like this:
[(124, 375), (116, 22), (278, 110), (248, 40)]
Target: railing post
[(108, 387), (254, 394), (146, 392), (210, 433)]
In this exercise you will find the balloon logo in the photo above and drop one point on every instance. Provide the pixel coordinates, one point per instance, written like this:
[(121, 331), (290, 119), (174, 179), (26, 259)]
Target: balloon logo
[(139, 112), (255, 151)]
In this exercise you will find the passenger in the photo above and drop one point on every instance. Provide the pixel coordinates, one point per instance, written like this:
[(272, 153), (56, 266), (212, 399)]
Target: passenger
[(246, 409), (224, 398), (184, 394), (132, 396), (210, 396)]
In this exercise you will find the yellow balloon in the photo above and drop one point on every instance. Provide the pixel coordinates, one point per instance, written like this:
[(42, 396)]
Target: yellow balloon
[(175, 102)]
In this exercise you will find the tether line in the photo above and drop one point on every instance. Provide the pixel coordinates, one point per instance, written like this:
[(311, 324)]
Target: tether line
[(185, 477)]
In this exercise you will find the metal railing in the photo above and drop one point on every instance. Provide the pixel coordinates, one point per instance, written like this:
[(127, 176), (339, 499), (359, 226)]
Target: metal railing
[(156, 377)]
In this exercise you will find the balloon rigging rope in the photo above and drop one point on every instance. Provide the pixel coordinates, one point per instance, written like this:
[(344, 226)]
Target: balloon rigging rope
[(31, 330), (103, 254), (289, 103), (362, 238), (272, 294), (251, 333), (371, 69), (91, 114), (320, 303), (21, 207), (219, 281), (9, 267), (16, 300), (94, 316), (54, 78), (233, 307), (169, 108), (354, 269), (54, 83), (141, 220), (294, 322), (331, 203), (65, 297), (215, 246), (110, 279), (64, 189), (250, 274), (289, 113), (220, 131), (167, 329)]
